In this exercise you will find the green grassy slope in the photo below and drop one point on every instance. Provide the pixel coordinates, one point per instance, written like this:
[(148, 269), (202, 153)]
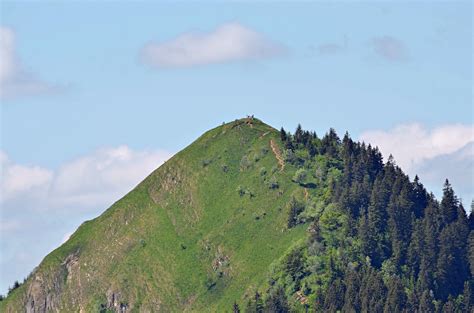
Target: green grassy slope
[(185, 239)]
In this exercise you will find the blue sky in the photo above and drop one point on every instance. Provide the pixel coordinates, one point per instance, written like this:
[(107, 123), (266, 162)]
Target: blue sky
[(97, 94)]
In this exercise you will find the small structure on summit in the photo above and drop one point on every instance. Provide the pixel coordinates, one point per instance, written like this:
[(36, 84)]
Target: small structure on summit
[(249, 119)]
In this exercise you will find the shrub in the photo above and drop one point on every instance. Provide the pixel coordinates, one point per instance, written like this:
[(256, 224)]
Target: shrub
[(245, 163), (300, 176), (273, 183), (241, 190), (206, 162), (294, 209)]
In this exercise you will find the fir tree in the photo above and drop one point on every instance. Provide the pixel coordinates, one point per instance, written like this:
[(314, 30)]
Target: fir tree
[(283, 135), (449, 203), (396, 297), (277, 302), (334, 299), (426, 302)]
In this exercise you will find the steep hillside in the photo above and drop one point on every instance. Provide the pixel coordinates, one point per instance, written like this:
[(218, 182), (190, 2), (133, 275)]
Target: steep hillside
[(249, 218), (197, 234)]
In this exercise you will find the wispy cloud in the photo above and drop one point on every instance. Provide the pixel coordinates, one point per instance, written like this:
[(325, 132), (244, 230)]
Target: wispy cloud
[(91, 181), (227, 43), (41, 207), (389, 48), (413, 143), (434, 154), (15, 81)]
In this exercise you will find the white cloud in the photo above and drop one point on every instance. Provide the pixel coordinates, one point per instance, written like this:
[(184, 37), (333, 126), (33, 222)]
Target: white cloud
[(411, 144), (14, 80), (228, 42), (443, 152), (18, 180), (40, 207), (91, 181), (457, 166)]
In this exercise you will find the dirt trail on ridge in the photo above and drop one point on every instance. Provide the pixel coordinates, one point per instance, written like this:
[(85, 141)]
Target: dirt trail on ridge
[(277, 154)]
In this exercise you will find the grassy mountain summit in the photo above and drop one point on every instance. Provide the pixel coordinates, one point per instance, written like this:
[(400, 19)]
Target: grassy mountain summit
[(255, 218), (184, 239)]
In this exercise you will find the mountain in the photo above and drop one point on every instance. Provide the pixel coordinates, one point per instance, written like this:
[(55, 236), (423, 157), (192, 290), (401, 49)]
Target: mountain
[(248, 217)]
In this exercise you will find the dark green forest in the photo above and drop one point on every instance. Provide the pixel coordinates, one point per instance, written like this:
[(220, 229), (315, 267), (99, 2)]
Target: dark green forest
[(377, 241)]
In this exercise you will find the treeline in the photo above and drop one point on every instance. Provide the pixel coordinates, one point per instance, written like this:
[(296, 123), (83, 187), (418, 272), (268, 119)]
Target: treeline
[(381, 242), (15, 286)]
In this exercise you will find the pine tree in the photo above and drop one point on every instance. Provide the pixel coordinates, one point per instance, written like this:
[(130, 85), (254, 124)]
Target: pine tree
[(453, 265), (294, 266), (400, 210), (277, 302), (449, 306), (334, 299), (415, 249), (426, 302), (289, 144), (283, 136), (351, 296), (373, 291), (471, 216), (396, 297), (428, 255), (449, 203), (299, 134), (294, 209), (468, 296), (330, 143), (420, 197), (471, 251), (376, 246)]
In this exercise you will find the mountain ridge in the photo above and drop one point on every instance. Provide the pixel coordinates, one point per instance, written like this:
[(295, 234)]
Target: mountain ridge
[(250, 216)]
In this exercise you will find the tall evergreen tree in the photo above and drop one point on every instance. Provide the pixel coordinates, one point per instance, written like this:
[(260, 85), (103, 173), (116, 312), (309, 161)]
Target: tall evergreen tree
[(420, 197), (276, 302), (351, 296), (426, 302), (334, 300), (468, 297), (376, 246), (299, 134), (373, 292), (283, 136), (449, 203), (452, 266), (396, 297)]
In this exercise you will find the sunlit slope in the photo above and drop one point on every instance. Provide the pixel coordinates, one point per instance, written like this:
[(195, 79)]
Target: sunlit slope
[(197, 234)]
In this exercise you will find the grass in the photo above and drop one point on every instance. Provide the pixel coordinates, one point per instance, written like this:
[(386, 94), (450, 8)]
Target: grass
[(184, 239)]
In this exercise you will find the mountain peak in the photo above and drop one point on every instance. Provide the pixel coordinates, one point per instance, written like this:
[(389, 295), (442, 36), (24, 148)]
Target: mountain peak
[(244, 211)]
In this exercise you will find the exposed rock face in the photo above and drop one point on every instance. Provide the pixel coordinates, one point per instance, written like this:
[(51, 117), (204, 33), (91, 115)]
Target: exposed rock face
[(43, 295), (114, 302)]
